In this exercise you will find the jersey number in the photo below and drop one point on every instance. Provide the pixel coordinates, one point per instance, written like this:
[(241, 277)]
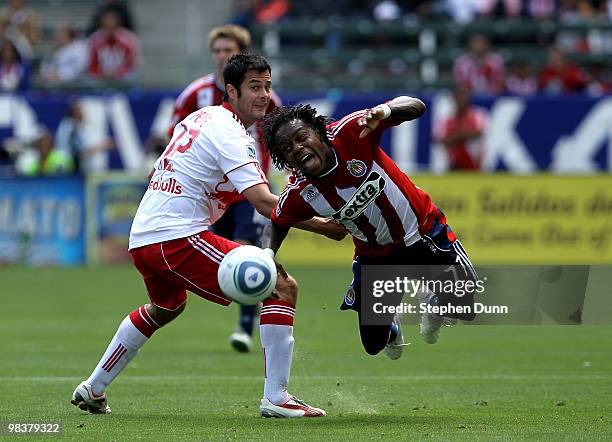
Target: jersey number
[(182, 143)]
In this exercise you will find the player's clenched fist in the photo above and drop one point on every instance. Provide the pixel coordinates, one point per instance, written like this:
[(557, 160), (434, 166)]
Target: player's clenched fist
[(372, 118)]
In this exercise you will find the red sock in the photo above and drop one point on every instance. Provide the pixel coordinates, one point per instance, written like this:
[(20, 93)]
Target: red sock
[(275, 311), (143, 321)]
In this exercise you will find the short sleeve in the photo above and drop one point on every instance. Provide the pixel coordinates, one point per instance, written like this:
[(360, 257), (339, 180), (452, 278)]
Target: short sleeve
[(291, 208), (235, 148), (247, 175), (347, 129)]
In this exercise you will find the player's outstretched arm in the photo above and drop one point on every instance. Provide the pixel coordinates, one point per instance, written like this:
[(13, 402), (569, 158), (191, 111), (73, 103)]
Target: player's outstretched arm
[(402, 108), (277, 237), (261, 198), (323, 226), (265, 201)]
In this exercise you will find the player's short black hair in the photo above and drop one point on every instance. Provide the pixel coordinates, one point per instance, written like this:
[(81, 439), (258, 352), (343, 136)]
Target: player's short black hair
[(237, 67), (283, 115)]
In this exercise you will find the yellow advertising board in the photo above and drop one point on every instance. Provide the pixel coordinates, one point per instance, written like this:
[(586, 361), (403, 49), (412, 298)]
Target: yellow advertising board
[(504, 219)]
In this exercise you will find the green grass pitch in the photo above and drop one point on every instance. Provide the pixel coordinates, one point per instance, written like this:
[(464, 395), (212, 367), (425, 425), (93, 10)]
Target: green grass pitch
[(493, 382)]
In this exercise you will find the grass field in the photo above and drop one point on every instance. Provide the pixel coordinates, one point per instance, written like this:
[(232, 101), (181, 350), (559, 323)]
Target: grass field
[(481, 382)]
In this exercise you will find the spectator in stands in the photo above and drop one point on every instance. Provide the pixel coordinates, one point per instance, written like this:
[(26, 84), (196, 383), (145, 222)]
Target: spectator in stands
[(462, 133), (14, 70), (23, 19), (387, 11), (74, 139), (560, 76), (480, 70), (463, 11), (542, 9), (243, 13), (114, 51), (520, 80), (515, 9), (270, 11), (600, 80), (120, 8), (69, 58), (500, 9), (21, 43), (47, 160)]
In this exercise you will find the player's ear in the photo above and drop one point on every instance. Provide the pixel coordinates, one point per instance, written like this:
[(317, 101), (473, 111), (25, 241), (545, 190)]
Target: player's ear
[(232, 92)]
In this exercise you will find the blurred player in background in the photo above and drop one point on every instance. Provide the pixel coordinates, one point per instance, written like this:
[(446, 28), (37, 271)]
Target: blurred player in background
[(208, 163), (462, 133), (341, 172), (240, 222)]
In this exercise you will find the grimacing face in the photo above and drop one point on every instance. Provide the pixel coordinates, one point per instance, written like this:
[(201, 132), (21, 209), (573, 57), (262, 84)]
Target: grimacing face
[(303, 149)]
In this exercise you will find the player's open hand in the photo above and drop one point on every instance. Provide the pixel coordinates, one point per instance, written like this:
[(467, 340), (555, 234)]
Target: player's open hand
[(370, 120), (334, 230)]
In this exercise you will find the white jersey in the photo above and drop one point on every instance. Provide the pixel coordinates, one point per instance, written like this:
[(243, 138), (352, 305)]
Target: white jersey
[(209, 161)]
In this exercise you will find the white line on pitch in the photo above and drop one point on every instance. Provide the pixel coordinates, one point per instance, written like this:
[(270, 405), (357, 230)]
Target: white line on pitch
[(491, 377)]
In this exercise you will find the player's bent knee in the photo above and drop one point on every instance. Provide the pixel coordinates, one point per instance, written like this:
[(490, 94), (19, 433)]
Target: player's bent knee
[(373, 338), (287, 288), (162, 316), (372, 348)]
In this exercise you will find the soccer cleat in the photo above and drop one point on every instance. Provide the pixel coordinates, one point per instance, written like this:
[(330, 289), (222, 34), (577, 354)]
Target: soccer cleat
[(395, 348), (291, 409), (240, 341), (430, 327), (84, 398), (432, 323)]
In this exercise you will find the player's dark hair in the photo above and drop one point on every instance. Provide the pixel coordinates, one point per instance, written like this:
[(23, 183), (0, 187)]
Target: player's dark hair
[(283, 115), (237, 67)]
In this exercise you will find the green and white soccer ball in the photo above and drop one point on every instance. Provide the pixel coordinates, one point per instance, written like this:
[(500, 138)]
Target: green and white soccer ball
[(247, 275)]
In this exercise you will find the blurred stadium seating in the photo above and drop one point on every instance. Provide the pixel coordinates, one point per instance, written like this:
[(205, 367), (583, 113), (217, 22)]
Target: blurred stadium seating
[(403, 56), (348, 52)]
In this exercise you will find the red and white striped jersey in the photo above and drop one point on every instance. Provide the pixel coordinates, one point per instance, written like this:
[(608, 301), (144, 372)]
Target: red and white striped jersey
[(365, 191), (208, 91), (209, 161)]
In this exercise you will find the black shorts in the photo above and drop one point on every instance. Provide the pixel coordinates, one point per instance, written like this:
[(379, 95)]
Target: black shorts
[(434, 249)]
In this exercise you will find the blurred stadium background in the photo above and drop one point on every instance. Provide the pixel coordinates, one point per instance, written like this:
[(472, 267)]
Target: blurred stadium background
[(535, 189), (535, 75)]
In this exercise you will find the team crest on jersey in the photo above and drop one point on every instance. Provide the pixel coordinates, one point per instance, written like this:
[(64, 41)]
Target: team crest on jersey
[(309, 193), (349, 297), (357, 168), (251, 152)]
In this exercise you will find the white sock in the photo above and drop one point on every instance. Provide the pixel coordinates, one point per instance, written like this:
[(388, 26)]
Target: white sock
[(123, 347), (276, 333)]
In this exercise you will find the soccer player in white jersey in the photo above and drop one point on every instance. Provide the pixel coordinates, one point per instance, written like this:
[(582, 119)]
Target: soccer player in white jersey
[(341, 172), (239, 223), (208, 162)]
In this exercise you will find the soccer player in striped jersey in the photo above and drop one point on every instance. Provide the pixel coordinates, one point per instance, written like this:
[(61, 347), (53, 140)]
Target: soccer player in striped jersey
[(341, 172), (240, 222)]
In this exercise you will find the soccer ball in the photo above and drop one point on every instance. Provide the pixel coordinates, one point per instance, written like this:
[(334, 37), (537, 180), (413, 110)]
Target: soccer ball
[(247, 275)]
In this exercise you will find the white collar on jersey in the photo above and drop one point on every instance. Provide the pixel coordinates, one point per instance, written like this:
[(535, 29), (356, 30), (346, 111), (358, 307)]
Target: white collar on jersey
[(326, 174)]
